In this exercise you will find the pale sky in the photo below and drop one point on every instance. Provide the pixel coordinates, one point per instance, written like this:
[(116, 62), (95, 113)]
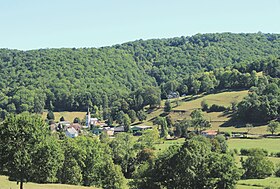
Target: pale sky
[(34, 24)]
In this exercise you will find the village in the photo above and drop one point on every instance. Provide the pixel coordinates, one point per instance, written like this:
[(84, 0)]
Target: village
[(94, 126)]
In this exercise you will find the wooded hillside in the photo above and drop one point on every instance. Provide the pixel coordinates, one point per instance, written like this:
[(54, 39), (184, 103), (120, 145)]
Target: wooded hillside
[(72, 79)]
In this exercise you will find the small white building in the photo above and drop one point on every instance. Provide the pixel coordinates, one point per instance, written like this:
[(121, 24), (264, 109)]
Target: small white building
[(65, 123), (93, 121), (71, 132)]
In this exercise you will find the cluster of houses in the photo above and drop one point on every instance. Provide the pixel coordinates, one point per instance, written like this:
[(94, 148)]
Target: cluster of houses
[(95, 126), (73, 130)]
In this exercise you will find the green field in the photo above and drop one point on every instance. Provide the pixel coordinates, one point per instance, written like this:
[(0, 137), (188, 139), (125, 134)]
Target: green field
[(218, 119), (167, 143), (188, 104), (271, 145), (6, 184), (272, 182), (238, 186), (223, 98), (68, 116)]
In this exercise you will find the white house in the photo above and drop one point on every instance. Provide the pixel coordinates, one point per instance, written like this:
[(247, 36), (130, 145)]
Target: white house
[(71, 132)]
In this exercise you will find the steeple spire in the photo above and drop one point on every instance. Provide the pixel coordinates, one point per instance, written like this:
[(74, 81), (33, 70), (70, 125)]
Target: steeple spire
[(88, 119)]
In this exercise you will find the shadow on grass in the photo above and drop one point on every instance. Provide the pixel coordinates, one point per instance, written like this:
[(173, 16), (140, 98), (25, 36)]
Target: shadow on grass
[(193, 97), (237, 123)]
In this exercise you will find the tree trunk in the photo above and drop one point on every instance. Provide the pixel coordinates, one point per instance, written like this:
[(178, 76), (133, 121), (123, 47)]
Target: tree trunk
[(21, 185)]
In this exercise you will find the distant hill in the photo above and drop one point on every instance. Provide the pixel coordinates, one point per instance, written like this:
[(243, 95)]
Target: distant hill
[(71, 79)]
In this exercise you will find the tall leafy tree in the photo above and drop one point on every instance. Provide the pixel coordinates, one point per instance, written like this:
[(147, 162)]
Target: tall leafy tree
[(132, 115), (21, 136), (141, 115), (48, 159), (196, 167), (257, 166), (126, 122), (50, 115), (124, 153), (167, 106), (273, 127), (198, 121)]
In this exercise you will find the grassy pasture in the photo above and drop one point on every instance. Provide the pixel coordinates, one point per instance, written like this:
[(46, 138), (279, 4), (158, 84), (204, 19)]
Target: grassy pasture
[(217, 119), (6, 184), (272, 182), (271, 145), (239, 186), (68, 116), (167, 143), (223, 98)]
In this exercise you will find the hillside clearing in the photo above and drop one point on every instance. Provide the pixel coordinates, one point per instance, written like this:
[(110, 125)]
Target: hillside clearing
[(218, 119), (223, 98), (68, 116)]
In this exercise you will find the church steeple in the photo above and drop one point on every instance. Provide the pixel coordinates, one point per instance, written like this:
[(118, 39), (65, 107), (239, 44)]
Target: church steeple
[(88, 119)]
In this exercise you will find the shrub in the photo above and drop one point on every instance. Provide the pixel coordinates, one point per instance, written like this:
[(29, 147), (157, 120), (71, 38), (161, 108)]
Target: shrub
[(204, 105), (244, 152), (252, 151), (277, 170), (227, 134), (217, 108), (277, 154)]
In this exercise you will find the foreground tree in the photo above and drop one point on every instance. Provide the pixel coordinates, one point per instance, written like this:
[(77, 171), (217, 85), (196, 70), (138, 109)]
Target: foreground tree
[(149, 138), (20, 137), (257, 166), (47, 160), (88, 162), (194, 165), (124, 153)]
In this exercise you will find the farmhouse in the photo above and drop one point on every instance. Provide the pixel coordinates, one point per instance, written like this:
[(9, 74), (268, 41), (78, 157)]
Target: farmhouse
[(209, 133)]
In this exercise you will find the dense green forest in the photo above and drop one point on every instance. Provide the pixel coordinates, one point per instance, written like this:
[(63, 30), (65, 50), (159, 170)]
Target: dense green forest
[(135, 74)]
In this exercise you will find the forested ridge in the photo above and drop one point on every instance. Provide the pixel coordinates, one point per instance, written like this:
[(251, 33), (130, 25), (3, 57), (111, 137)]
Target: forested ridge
[(73, 79)]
